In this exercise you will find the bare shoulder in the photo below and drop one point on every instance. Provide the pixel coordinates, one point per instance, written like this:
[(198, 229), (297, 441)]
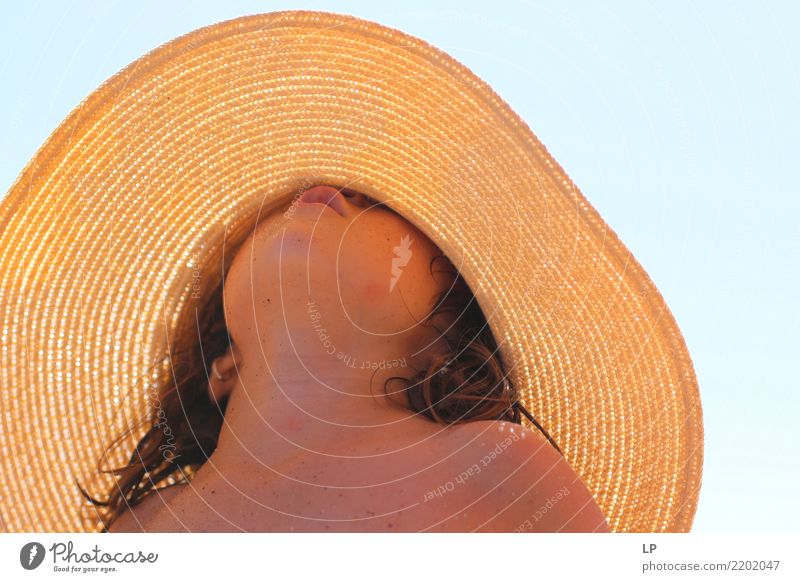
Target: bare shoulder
[(525, 482), (140, 517)]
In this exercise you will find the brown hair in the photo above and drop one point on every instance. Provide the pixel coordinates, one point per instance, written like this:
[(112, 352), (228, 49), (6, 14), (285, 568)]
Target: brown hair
[(467, 382)]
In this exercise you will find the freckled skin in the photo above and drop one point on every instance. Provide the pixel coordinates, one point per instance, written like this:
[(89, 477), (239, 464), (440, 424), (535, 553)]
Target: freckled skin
[(374, 292), (310, 441)]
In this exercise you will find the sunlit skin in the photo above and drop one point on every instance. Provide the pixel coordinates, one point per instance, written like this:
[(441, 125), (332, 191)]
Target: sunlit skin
[(314, 271), (310, 440)]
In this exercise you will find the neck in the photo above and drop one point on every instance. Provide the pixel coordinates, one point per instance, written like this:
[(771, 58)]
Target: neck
[(317, 390)]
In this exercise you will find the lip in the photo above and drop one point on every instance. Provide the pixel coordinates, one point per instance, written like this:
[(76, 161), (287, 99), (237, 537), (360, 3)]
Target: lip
[(326, 195)]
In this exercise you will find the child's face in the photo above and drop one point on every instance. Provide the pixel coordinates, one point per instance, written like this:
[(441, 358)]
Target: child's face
[(366, 269)]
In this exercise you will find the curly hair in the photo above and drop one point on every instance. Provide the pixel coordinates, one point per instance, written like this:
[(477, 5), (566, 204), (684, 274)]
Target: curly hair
[(467, 382)]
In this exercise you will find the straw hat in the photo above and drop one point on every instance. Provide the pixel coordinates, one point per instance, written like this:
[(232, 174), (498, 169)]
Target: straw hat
[(99, 233)]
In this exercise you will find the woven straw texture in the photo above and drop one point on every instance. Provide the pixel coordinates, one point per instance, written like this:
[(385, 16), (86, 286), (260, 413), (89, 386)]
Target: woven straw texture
[(99, 234)]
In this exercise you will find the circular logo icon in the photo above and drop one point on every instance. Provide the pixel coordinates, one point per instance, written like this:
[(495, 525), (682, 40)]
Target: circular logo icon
[(31, 555)]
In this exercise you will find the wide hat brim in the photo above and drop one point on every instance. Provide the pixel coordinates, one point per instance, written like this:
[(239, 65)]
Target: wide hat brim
[(99, 233)]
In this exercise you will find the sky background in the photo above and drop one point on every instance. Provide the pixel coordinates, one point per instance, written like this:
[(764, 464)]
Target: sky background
[(677, 120)]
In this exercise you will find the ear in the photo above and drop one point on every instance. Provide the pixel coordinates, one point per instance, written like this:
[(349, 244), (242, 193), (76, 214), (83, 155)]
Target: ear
[(223, 374)]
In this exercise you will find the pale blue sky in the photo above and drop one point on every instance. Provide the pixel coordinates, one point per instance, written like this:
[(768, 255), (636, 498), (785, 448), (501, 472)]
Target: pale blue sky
[(678, 120)]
